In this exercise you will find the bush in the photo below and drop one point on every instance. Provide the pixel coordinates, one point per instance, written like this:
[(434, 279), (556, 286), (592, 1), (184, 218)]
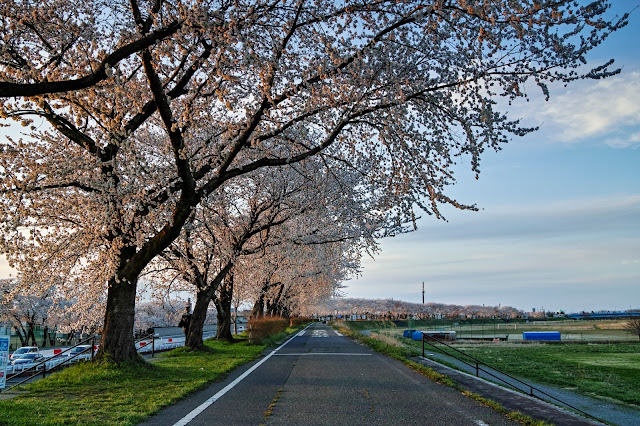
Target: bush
[(297, 322), (261, 329)]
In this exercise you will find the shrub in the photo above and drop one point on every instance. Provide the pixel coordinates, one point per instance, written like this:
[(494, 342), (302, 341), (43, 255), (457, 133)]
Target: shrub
[(297, 322), (262, 328)]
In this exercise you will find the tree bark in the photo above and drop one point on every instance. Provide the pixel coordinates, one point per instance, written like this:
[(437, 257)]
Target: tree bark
[(205, 294), (32, 335), (198, 318), (45, 336), (223, 308), (272, 305), (22, 335), (117, 342), (258, 308)]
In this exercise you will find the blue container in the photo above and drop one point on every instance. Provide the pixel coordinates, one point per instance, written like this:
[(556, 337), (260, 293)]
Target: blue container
[(416, 335), (407, 333), (541, 335)]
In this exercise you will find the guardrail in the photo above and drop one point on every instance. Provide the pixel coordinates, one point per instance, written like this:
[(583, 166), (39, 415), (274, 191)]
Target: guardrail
[(143, 342), (51, 364), (143, 345), (478, 363)]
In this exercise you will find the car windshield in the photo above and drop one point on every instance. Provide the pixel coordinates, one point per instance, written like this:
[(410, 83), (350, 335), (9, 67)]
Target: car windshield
[(23, 350), (79, 349), (27, 356)]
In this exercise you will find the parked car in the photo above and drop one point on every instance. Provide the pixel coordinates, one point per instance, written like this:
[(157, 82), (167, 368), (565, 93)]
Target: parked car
[(24, 350), (28, 358), (81, 349)]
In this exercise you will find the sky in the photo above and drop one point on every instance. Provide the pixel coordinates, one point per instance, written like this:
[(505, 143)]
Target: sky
[(559, 225)]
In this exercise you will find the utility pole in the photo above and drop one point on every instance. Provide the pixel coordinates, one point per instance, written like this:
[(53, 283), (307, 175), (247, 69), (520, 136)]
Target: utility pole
[(423, 292)]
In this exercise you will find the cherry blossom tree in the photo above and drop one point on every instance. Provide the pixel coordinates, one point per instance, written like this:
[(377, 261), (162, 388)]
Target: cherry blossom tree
[(259, 212), (157, 313), (138, 111), (26, 312)]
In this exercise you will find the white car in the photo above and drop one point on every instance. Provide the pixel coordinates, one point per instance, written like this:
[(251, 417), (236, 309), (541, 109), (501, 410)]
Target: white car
[(82, 349), (28, 358), (24, 350)]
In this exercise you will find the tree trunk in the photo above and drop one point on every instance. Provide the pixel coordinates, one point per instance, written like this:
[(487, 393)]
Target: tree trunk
[(22, 335), (198, 318), (223, 308), (117, 343), (32, 335), (204, 296), (45, 335), (258, 308), (272, 305)]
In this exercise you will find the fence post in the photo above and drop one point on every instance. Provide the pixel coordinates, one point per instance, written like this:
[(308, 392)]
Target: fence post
[(44, 369), (422, 345), (477, 370), (153, 345), (93, 346)]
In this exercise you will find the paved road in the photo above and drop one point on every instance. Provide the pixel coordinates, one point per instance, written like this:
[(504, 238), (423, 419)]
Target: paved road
[(322, 378)]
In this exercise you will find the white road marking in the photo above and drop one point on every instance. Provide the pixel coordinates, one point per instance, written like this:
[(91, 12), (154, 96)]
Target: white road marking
[(324, 353), (192, 415), (319, 333), (481, 423), (338, 333)]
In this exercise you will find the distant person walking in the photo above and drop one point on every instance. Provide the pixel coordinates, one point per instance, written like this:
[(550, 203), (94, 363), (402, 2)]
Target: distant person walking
[(185, 320)]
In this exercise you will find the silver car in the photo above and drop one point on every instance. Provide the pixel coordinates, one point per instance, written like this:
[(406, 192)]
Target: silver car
[(28, 358)]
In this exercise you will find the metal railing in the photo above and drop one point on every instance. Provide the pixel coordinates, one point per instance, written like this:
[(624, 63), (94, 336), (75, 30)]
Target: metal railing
[(478, 363), (151, 336), (36, 369)]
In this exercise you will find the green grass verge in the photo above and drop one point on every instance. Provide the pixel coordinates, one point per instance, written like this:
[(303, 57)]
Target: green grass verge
[(402, 353), (107, 394), (610, 371)]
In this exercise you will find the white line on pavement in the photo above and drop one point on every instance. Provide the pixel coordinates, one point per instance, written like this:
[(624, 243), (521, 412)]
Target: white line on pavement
[(192, 415), (323, 353)]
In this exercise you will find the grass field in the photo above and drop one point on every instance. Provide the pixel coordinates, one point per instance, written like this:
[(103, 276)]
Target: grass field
[(571, 330), (604, 370), (604, 361), (124, 395), (108, 394)]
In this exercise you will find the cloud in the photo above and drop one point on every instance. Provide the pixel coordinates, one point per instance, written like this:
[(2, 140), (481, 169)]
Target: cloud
[(608, 109), (581, 217), (632, 141), (539, 254)]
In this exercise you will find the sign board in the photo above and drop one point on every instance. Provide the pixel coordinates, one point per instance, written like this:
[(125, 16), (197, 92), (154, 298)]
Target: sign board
[(4, 360)]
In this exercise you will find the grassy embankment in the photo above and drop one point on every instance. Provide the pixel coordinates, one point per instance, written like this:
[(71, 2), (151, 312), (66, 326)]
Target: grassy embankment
[(107, 394), (402, 352), (605, 370)]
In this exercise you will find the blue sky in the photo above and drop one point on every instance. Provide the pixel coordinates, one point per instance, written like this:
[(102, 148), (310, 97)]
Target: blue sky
[(560, 221)]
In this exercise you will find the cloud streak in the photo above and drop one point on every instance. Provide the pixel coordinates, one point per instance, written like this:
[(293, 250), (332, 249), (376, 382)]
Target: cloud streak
[(535, 255), (608, 109)]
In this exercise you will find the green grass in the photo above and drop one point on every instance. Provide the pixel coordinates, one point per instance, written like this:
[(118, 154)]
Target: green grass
[(606, 370), (92, 394), (608, 331)]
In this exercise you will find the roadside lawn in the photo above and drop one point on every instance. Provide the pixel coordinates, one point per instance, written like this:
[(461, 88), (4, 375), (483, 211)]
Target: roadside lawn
[(106, 394), (605, 370)]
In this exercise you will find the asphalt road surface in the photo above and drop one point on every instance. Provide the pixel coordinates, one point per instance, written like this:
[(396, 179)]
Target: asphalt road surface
[(322, 378)]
